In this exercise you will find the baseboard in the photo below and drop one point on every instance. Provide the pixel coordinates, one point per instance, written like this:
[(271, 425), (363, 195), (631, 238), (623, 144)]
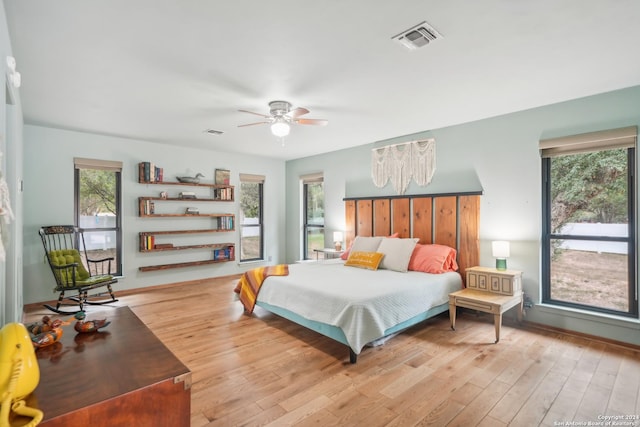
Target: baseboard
[(569, 332), (512, 322), (126, 292)]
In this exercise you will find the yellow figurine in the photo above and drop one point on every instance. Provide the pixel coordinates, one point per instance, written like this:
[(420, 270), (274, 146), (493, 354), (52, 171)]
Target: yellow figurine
[(19, 373)]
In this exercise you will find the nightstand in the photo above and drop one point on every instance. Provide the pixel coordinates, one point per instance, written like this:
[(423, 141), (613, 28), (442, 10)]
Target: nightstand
[(329, 253), (489, 291)]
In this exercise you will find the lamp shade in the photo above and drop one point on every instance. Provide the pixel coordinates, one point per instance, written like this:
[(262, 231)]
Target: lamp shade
[(500, 249), (280, 128)]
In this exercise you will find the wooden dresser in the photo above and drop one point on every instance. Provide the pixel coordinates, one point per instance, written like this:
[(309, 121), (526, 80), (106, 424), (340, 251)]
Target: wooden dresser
[(121, 375)]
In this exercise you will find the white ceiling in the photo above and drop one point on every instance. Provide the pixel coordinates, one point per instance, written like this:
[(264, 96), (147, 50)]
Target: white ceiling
[(167, 70)]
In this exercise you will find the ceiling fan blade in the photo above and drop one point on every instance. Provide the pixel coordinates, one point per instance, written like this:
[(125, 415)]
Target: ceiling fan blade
[(252, 124), (257, 114), (297, 112), (320, 122)]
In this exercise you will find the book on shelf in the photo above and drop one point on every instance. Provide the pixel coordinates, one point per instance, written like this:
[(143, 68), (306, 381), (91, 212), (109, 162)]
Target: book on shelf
[(149, 172), (147, 242), (223, 193), (187, 195), (225, 223), (149, 208), (225, 253)]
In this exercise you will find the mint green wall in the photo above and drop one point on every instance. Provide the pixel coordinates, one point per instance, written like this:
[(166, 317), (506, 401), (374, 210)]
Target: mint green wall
[(499, 155), (48, 198)]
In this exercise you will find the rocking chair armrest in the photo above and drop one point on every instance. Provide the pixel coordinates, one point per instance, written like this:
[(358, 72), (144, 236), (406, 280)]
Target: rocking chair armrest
[(100, 266), (101, 259)]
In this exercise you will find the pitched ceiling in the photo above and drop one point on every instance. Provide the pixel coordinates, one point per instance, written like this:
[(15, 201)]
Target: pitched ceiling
[(165, 71)]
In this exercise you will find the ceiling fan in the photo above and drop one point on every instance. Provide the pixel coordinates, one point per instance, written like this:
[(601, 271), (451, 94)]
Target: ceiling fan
[(281, 116)]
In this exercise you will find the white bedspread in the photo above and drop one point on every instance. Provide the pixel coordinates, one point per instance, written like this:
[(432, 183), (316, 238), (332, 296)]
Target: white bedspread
[(363, 303)]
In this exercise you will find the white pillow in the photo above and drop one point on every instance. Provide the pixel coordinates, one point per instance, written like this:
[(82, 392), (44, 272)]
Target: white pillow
[(397, 253), (365, 244)]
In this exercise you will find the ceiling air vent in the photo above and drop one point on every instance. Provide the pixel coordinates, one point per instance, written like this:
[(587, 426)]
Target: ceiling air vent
[(417, 36)]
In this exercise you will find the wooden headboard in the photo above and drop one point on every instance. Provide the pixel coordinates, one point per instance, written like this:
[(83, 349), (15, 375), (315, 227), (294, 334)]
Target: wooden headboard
[(448, 219)]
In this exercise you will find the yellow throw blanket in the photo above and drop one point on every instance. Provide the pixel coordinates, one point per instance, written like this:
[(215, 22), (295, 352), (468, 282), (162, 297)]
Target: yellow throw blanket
[(249, 284)]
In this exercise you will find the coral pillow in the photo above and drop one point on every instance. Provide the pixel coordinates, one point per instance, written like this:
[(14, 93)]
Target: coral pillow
[(434, 259), (345, 254), (368, 260)]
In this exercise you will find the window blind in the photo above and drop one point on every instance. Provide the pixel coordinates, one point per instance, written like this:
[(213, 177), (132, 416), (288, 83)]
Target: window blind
[(312, 177), (246, 177), (593, 141), (81, 163)]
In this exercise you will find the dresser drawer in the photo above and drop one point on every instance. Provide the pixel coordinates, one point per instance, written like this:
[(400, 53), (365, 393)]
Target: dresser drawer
[(475, 305), (477, 280), (507, 282), (505, 285)]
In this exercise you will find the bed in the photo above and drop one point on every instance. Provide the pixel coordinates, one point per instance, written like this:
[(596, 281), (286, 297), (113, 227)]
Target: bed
[(356, 306), (360, 306)]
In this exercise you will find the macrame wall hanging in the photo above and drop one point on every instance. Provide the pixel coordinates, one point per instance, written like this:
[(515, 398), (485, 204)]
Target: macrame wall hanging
[(399, 163)]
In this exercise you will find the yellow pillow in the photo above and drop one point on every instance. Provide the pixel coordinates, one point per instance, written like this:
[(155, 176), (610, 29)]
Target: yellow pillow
[(368, 260)]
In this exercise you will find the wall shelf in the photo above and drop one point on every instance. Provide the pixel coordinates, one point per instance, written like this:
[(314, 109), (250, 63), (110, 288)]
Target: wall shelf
[(179, 265), (185, 199), (222, 223), (183, 247), (188, 184)]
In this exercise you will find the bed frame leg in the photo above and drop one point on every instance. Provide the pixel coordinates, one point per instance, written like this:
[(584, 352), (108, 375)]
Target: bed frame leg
[(353, 357)]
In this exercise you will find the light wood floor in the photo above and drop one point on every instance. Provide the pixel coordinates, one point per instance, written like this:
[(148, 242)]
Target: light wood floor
[(264, 370)]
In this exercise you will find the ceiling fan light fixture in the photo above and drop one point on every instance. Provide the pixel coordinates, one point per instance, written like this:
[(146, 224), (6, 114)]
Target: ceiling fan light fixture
[(281, 117), (280, 128)]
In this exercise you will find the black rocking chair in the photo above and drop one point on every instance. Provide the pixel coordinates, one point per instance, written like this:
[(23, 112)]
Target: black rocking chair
[(63, 245)]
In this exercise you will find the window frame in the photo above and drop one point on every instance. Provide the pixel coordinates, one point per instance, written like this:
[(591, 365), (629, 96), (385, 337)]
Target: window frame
[(116, 168), (596, 141), (306, 227), (259, 180)]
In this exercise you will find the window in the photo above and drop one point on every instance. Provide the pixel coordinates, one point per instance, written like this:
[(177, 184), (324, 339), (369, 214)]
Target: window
[(588, 249), (313, 201), (97, 208), (251, 208)]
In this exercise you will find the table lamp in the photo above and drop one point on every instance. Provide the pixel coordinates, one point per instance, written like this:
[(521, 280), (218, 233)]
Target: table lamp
[(500, 249), (337, 239)]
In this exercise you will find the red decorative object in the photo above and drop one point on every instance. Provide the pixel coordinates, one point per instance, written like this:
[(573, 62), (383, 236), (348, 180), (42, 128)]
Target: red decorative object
[(47, 338), (84, 326), (46, 325)]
